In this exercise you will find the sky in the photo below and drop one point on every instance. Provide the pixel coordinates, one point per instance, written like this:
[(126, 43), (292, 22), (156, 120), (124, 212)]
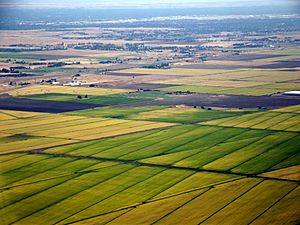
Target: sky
[(145, 3)]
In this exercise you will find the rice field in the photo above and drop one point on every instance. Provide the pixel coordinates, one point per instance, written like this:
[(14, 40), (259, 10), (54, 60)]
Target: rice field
[(271, 120), (41, 130), (150, 165)]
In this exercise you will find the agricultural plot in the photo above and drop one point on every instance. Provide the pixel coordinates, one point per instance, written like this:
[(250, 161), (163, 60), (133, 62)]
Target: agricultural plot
[(276, 120), (201, 141), (151, 164), (236, 81), (105, 99), (291, 109), (213, 148), (184, 115), (9, 114), (46, 130), (100, 100), (90, 186), (115, 193), (159, 113), (46, 89), (114, 112)]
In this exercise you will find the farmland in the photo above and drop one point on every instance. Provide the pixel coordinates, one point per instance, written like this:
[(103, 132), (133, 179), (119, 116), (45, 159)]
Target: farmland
[(237, 81), (158, 120), (64, 90), (112, 171), (124, 154)]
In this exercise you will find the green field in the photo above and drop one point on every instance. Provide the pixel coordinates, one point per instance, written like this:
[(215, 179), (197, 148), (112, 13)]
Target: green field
[(151, 116), (149, 165), (275, 120), (100, 99), (185, 115)]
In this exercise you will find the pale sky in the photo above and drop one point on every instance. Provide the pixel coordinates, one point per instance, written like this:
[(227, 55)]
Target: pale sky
[(143, 3)]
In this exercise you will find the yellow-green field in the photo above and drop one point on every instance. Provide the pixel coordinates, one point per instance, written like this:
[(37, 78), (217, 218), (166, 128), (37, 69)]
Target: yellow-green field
[(139, 170), (41, 130), (47, 89), (276, 120)]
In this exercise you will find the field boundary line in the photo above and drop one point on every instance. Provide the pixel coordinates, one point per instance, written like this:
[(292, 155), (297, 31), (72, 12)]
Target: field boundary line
[(32, 213), (7, 160), (205, 149), (8, 114), (233, 200), (132, 127), (265, 151), (278, 123), (194, 139), (75, 176), (63, 175), (81, 141), (281, 198), (271, 170), (292, 124), (268, 169), (248, 128), (167, 166), (182, 205), (73, 125), (109, 148), (136, 150), (259, 138), (176, 136), (37, 119), (89, 206), (133, 205), (272, 117), (159, 199), (213, 185), (115, 124)]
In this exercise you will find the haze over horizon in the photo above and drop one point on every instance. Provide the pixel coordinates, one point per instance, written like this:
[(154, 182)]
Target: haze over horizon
[(31, 4)]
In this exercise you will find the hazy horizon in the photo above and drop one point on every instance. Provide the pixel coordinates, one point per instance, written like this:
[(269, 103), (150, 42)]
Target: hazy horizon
[(31, 4)]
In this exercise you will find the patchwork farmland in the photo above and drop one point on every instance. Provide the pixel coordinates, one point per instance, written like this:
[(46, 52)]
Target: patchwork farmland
[(139, 170), (156, 119)]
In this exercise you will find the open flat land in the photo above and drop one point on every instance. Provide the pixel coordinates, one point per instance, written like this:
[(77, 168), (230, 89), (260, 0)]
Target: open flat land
[(141, 124), (167, 161)]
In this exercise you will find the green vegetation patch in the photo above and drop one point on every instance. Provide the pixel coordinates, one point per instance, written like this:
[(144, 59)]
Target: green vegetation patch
[(186, 115), (114, 99), (114, 112)]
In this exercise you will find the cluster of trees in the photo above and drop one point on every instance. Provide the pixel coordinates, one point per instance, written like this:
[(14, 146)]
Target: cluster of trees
[(82, 97)]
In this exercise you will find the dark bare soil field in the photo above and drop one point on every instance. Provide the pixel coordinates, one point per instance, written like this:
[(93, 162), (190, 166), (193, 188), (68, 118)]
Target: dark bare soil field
[(12, 103), (227, 101), (17, 75), (281, 64), (248, 57)]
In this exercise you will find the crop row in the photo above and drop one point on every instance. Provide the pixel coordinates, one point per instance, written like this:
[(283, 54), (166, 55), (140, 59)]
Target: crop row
[(86, 185), (217, 148), (264, 120), (257, 201)]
